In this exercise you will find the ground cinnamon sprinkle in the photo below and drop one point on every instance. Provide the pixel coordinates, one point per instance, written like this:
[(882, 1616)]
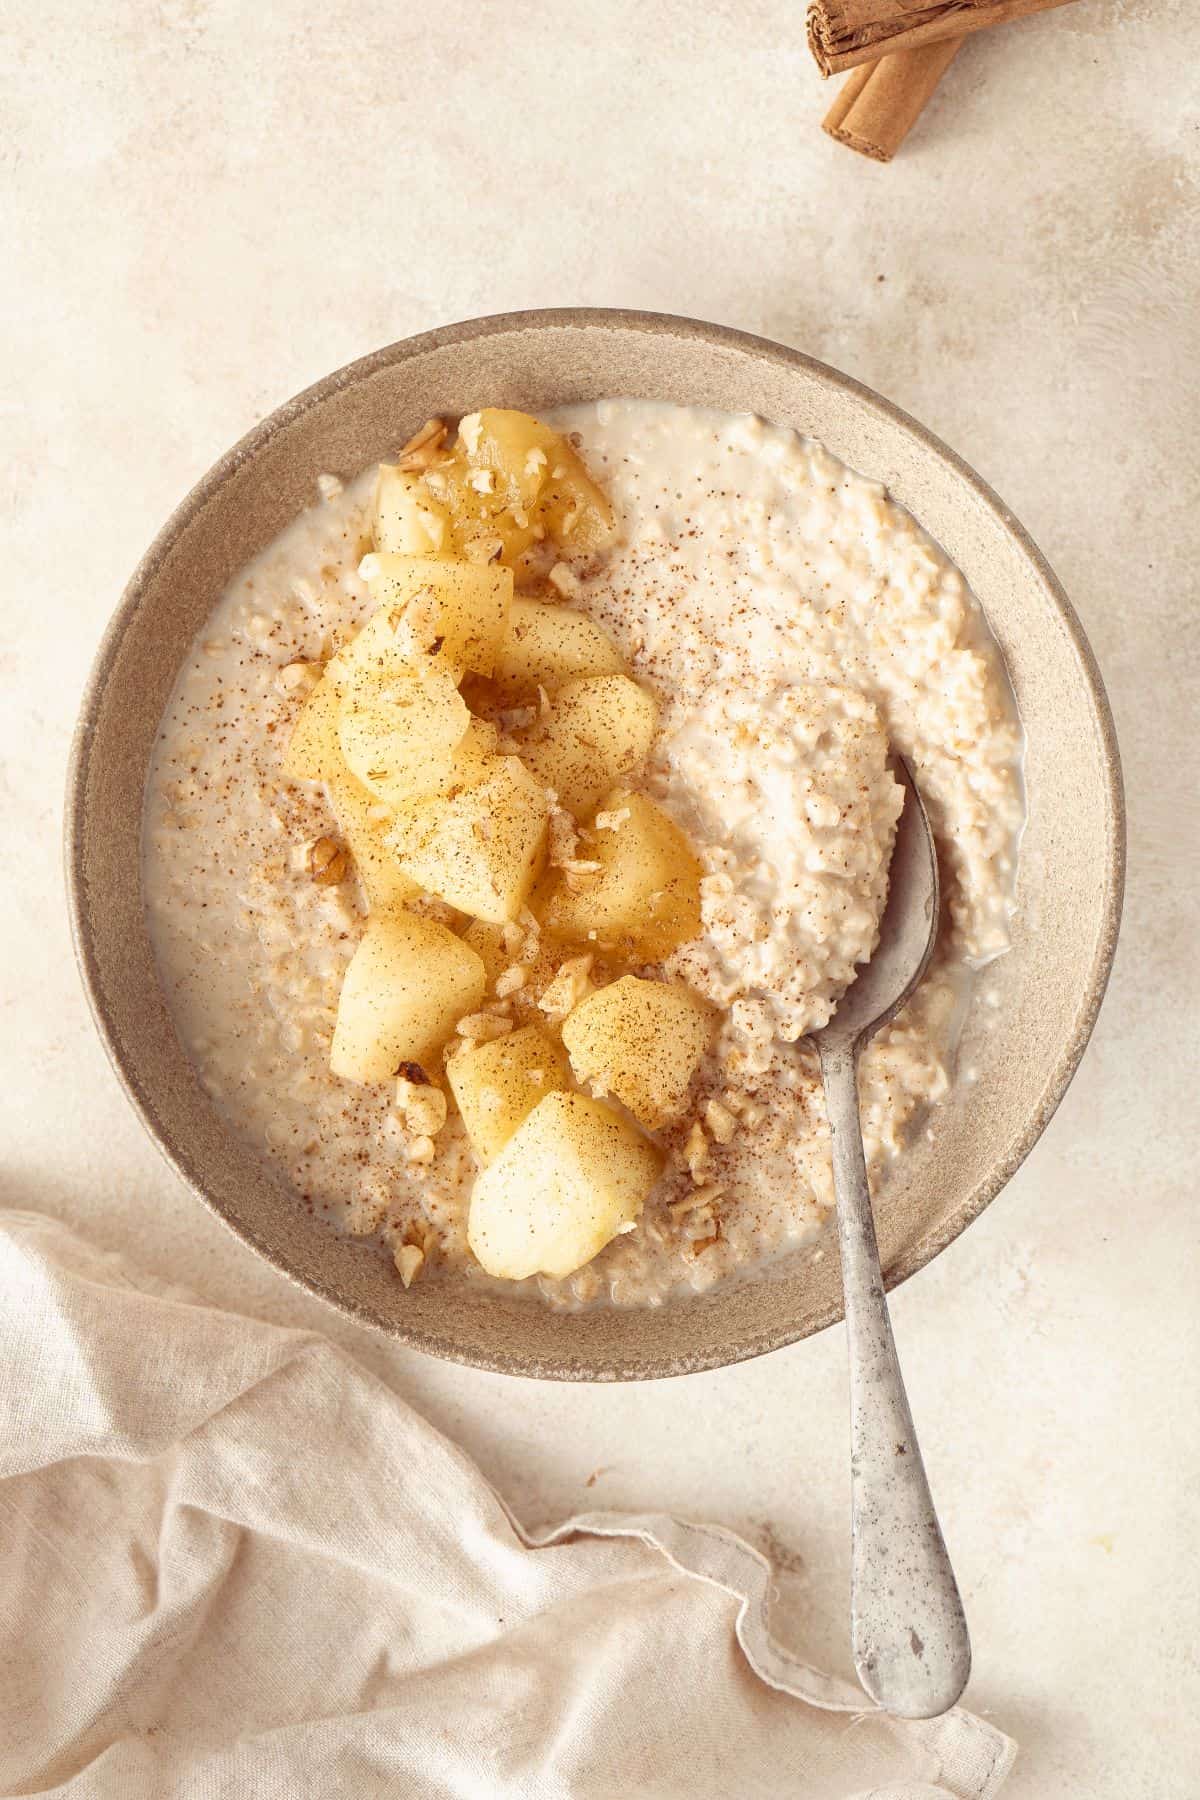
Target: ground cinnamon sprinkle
[(742, 568)]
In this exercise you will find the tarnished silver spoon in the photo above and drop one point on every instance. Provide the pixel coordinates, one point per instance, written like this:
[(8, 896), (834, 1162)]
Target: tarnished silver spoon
[(908, 1630)]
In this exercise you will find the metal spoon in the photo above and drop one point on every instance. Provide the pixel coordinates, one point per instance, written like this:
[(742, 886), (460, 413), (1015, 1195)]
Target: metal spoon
[(908, 1630)]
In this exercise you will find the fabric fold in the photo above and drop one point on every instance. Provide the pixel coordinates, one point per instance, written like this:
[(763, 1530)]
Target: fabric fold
[(233, 1561)]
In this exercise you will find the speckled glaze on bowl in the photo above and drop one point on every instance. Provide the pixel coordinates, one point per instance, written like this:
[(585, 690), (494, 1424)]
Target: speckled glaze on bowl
[(1070, 879)]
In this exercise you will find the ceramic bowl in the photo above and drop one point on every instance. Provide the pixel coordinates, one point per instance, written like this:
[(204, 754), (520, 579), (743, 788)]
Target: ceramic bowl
[(1050, 984)]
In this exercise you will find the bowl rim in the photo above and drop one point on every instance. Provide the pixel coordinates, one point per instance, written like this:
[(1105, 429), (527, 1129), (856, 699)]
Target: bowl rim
[(362, 368)]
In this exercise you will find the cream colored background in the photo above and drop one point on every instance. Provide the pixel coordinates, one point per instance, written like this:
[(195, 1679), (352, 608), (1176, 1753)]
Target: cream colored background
[(210, 205)]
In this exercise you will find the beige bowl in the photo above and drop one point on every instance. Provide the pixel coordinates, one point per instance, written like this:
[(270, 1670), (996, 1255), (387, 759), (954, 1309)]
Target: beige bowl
[(1069, 890)]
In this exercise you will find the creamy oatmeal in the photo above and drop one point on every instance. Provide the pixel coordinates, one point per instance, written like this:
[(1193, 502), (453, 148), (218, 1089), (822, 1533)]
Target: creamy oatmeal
[(793, 625)]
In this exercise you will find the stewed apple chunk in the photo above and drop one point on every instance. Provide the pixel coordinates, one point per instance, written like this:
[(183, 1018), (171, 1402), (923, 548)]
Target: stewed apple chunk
[(538, 475), (507, 483), (599, 728), (408, 983), (497, 1085), (399, 734), (545, 646), (571, 1177), (478, 845), (362, 821), (644, 901), (641, 1041), (314, 752), (439, 607), (407, 518)]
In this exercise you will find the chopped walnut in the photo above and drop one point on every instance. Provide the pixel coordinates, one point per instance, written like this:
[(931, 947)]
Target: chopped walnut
[(751, 1112), (610, 821), (482, 480), (297, 677), (698, 1198), (485, 547), (423, 449), (530, 946), (563, 838), (567, 988), (564, 581), (516, 718), (720, 1121), (422, 1110), (409, 1259), (470, 429), (695, 1153), (328, 862), (483, 1027), (513, 936), (424, 1233)]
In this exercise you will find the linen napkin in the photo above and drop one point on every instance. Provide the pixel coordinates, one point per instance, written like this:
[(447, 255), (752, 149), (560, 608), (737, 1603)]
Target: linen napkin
[(233, 1562)]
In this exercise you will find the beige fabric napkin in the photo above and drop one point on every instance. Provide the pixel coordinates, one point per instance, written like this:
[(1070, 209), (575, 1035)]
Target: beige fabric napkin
[(233, 1563)]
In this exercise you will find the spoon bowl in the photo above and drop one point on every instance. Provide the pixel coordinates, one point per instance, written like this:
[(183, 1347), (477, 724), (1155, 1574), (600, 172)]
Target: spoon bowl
[(907, 932)]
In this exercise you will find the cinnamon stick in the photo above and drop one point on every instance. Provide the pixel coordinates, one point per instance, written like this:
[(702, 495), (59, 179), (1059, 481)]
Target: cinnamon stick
[(879, 103), (843, 34)]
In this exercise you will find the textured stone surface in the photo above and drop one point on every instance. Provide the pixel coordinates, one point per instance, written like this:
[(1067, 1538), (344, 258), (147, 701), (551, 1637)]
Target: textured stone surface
[(213, 205)]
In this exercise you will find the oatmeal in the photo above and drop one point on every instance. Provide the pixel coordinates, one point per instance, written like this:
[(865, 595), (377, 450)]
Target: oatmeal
[(788, 625), (790, 793)]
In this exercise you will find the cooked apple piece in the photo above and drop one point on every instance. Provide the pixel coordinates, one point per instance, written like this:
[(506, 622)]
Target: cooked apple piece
[(642, 1041), (599, 728), (644, 901), (399, 735), (487, 941), (539, 475), (442, 608), (314, 752), (407, 518), (408, 983), (509, 482), (497, 1085), (479, 845), (474, 756), (449, 619), (362, 820), (376, 653), (544, 646), (569, 1179)]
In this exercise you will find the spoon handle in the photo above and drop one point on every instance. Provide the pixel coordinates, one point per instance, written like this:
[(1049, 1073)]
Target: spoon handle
[(908, 1630)]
